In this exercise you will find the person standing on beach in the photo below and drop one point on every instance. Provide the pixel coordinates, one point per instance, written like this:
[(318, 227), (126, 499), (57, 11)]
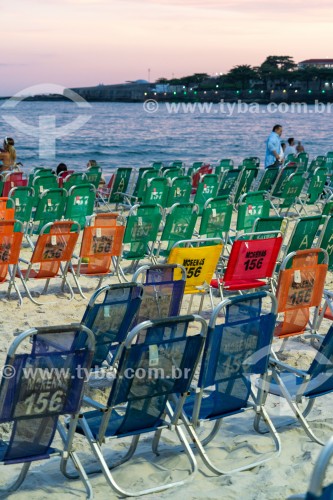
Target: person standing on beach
[(7, 155), (273, 147)]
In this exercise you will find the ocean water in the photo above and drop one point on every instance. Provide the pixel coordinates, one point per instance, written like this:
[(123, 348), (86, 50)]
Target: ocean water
[(125, 134)]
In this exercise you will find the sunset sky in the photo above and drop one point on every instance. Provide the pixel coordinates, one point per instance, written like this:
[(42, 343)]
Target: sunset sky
[(86, 42)]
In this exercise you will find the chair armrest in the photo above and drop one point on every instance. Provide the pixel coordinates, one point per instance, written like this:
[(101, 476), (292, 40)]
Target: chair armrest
[(274, 363)]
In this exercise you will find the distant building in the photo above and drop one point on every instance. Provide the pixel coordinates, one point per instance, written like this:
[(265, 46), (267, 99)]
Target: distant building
[(318, 63)]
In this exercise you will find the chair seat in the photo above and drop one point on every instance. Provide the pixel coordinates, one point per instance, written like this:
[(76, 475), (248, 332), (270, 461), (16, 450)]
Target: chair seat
[(36, 274), (4, 448), (317, 386), (232, 406), (238, 284), (94, 419), (96, 271)]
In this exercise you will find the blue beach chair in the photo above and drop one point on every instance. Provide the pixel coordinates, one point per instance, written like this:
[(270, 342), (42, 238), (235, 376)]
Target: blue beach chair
[(300, 388), (163, 290), (234, 350), (46, 383), (110, 315), (158, 360)]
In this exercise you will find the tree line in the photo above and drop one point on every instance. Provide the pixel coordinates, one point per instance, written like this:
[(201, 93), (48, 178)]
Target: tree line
[(275, 68)]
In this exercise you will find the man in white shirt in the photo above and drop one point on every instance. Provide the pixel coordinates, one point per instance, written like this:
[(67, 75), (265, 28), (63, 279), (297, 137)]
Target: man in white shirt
[(291, 148)]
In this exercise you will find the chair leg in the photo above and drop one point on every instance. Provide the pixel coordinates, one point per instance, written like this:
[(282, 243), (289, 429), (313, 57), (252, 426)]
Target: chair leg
[(95, 447), (297, 412), (17, 483)]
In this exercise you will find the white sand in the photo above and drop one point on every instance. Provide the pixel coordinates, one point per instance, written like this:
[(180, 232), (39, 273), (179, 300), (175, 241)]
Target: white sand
[(276, 479)]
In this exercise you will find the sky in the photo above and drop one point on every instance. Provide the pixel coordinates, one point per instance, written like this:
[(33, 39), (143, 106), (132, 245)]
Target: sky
[(76, 43)]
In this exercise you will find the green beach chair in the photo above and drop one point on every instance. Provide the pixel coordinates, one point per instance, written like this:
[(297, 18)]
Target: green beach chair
[(314, 190), (244, 182), (228, 182), (80, 203), (252, 205), (267, 179), (94, 175), (289, 194), (156, 191), (303, 234), (207, 188), (216, 218), (179, 191), (179, 225), (75, 179), (41, 184), (50, 207)]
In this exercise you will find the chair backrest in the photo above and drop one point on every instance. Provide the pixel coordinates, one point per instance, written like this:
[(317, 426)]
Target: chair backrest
[(267, 180), (163, 290), (120, 184), (80, 203), (300, 287), (281, 179), (291, 189), (49, 366), (23, 198), (179, 225), (11, 235), (172, 172), (142, 226), (216, 217), (198, 170), (75, 179), (179, 191), (43, 182), (93, 176), (139, 185), (304, 233), (156, 191), (264, 224), (244, 182), (7, 208), (325, 241), (329, 161), (226, 163), (200, 258), (50, 207), (55, 244), (109, 315), (234, 350), (320, 370), (251, 206), (101, 241), (252, 258), (228, 182), (13, 179), (316, 185), (206, 189), (162, 358)]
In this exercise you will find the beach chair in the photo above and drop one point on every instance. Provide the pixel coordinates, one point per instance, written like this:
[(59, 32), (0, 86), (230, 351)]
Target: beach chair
[(251, 206), (93, 176), (23, 198), (50, 207), (244, 181), (216, 218), (234, 350), (142, 226), (327, 205), (200, 259), (303, 234), (156, 191), (299, 291), (325, 240), (228, 182), (157, 362), (267, 179), (281, 179), (12, 180), (75, 179), (179, 190), (80, 203), (206, 189), (101, 246), (110, 314), (163, 290), (11, 235), (172, 172), (41, 183), (179, 225), (62, 176), (55, 245), (251, 263), (316, 488), (7, 208), (197, 171), (314, 190), (47, 366), (289, 194), (300, 388)]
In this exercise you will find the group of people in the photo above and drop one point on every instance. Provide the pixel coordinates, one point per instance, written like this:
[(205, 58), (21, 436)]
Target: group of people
[(277, 150)]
